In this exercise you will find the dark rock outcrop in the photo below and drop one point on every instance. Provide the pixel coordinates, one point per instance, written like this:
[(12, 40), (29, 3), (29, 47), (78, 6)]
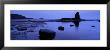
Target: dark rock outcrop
[(17, 16), (46, 34), (77, 16)]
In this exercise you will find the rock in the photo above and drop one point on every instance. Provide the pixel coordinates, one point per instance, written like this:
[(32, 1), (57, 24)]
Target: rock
[(71, 25), (46, 34), (60, 28), (92, 26), (98, 20), (17, 16), (77, 16)]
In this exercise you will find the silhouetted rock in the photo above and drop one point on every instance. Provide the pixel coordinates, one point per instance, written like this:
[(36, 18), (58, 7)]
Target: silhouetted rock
[(46, 34), (60, 28), (77, 16), (77, 19), (98, 20), (71, 25), (17, 16), (92, 26), (66, 19)]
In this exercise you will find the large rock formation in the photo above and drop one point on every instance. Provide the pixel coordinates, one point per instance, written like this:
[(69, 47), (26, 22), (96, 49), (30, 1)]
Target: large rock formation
[(77, 16)]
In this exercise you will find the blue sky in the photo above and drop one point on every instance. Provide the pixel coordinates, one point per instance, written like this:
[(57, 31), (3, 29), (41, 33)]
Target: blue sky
[(57, 14)]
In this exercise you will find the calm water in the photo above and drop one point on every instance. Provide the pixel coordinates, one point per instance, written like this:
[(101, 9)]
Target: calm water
[(83, 32)]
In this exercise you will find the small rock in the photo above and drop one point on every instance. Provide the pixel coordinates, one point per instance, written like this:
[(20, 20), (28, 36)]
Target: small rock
[(92, 26), (60, 28), (71, 25)]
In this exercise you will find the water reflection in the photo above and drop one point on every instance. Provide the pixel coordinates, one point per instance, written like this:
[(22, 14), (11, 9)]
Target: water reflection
[(76, 23)]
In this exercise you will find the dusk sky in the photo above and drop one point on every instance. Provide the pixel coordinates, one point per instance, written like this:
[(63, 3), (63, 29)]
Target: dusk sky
[(57, 14)]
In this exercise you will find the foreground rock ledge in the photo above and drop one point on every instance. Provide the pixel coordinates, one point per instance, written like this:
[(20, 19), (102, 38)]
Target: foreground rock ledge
[(46, 34)]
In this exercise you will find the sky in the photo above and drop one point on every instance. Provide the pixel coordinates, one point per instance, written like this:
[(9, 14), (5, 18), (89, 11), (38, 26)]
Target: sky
[(57, 14)]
